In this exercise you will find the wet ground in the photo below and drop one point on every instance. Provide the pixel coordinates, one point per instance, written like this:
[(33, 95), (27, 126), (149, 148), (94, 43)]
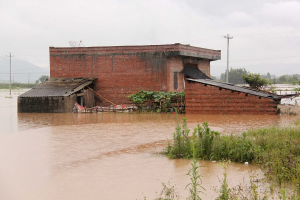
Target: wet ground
[(105, 155)]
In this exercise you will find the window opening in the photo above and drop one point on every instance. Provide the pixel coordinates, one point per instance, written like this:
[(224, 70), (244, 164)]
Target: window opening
[(175, 80)]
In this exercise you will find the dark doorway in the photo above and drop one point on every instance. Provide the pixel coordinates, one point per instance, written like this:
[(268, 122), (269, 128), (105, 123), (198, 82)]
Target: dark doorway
[(80, 100)]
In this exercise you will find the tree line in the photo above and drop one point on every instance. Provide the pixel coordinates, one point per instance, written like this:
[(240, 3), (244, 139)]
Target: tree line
[(236, 76), (23, 85)]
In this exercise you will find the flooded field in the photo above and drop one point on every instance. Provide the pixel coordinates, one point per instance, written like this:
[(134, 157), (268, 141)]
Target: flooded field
[(105, 155)]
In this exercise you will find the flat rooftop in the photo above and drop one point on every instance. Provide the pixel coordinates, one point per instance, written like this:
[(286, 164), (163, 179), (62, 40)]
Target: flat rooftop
[(176, 49)]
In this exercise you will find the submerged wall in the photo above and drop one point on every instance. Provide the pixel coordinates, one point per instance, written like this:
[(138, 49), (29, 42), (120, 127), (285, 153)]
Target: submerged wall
[(46, 104), (201, 99)]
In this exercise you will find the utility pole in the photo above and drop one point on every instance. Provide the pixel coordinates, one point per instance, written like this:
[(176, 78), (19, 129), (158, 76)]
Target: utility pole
[(9, 72), (227, 37), (28, 80)]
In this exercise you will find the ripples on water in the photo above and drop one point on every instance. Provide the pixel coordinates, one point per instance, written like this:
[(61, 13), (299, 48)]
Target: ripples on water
[(104, 155)]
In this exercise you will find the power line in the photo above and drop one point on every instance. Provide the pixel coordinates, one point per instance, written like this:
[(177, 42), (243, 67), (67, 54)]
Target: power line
[(262, 33), (244, 35), (34, 55), (267, 58), (23, 73), (261, 59), (210, 38), (31, 54)]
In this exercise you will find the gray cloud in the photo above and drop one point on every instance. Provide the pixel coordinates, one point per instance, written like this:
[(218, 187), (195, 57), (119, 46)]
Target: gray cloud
[(261, 29)]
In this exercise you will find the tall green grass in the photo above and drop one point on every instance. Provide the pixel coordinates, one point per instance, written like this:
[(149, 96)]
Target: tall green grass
[(277, 149), (195, 185)]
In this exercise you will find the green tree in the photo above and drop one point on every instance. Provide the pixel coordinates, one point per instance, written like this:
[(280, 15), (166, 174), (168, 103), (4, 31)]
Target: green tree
[(235, 75), (293, 79), (268, 76), (297, 86), (288, 79), (43, 78), (213, 77), (282, 79), (255, 81)]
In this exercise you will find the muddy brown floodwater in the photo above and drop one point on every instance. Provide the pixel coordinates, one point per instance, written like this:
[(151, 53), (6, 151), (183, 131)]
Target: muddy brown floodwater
[(105, 155)]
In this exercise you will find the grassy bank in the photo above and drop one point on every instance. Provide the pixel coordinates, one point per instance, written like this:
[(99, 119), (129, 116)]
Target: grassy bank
[(17, 85), (276, 149)]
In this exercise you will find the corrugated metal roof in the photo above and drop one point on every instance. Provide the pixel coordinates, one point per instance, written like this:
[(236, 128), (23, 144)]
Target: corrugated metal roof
[(233, 87), (194, 73), (58, 87)]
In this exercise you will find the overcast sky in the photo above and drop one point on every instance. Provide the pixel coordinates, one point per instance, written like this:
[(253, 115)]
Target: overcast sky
[(266, 33)]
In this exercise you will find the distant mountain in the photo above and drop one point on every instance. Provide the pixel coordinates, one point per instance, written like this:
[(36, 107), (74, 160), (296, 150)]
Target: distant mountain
[(21, 71)]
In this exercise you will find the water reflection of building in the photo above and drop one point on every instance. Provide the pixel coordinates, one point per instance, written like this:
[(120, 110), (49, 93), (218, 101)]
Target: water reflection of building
[(119, 71)]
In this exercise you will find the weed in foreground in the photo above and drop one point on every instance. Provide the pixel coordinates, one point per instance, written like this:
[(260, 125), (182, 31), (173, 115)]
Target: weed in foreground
[(168, 192), (276, 149), (195, 187), (225, 190)]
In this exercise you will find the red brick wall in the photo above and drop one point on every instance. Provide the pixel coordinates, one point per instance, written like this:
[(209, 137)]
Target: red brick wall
[(174, 64), (202, 99), (204, 66), (118, 76), (124, 70)]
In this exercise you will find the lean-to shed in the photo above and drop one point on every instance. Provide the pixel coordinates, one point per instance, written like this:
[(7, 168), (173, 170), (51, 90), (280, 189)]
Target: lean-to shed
[(57, 95), (207, 96)]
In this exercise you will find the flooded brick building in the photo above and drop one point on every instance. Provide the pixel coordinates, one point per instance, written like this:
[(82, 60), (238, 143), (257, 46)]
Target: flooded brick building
[(57, 95), (119, 71), (206, 96), (123, 70)]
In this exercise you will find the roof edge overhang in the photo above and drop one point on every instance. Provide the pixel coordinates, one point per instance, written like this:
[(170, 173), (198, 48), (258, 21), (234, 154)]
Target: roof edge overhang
[(198, 55), (210, 57), (168, 50), (83, 82), (232, 87), (80, 87)]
